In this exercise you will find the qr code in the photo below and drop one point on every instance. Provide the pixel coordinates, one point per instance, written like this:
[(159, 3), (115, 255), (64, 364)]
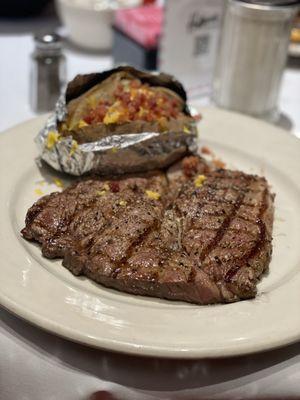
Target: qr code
[(201, 45)]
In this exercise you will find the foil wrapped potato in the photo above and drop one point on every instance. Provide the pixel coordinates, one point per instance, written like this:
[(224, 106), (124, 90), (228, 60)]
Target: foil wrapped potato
[(118, 121)]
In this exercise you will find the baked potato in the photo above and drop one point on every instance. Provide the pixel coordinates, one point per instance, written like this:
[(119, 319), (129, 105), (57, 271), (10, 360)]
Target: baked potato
[(128, 119)]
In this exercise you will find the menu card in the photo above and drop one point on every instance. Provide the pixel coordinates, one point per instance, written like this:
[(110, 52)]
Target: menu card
[(189, 42)]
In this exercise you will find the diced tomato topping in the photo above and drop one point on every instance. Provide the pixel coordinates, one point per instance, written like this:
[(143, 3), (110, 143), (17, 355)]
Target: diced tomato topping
[(190, 166), (136, 101)]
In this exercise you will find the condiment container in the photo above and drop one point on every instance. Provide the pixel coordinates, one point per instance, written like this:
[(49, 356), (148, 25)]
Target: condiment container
[(136, 36), (89, 22), (48, 72), (252, 56)]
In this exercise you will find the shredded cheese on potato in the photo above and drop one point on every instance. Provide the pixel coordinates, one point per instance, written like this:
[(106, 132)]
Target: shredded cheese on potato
[(52, 138), (74, 147), (82, 124), (111, 117), (92, 101)]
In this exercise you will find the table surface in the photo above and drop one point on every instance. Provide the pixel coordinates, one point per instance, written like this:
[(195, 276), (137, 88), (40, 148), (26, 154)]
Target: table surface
[(37, 365)]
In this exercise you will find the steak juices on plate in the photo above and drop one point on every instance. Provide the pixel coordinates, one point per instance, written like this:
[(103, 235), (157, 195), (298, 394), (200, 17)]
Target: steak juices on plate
[(189, 232)]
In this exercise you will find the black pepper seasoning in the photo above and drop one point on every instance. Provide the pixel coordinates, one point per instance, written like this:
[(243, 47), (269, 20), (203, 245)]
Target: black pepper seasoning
[(48, 72)]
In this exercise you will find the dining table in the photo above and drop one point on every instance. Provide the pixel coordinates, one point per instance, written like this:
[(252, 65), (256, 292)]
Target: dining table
[(36, 364)]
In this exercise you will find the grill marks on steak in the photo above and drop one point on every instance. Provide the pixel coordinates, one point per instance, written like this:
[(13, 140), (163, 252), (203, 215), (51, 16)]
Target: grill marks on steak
[(203, 245), (231, 225), (206, 249), (91, 212)]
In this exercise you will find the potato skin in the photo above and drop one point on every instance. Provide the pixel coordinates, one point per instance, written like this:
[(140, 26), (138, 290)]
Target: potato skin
[(92, 133), (82, 83)]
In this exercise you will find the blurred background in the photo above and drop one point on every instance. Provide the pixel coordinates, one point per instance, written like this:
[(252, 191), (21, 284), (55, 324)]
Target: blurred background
[(237, 54)]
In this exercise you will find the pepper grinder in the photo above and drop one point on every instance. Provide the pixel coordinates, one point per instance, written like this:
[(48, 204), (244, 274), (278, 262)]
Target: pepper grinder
[(48, 72)]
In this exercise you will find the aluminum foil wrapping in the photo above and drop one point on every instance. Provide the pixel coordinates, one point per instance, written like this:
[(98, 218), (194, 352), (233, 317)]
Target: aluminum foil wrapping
[(115, 154)]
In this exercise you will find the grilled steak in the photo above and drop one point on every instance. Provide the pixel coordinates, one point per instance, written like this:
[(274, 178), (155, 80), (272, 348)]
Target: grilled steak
[(179, 235)]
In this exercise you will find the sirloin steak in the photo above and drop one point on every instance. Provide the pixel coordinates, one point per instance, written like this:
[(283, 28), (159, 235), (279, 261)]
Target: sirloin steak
[(176, 235)]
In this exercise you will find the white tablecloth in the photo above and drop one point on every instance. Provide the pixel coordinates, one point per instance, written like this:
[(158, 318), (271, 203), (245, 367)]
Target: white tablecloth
[(36, 365)]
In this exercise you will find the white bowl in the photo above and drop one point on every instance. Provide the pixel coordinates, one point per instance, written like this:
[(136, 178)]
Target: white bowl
[(89, 21)]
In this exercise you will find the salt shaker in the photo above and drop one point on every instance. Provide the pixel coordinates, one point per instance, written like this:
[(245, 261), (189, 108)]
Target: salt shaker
[(252, 56), (48, 72)]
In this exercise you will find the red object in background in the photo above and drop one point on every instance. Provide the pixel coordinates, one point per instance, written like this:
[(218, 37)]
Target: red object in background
[(142, 24), (147, 2)]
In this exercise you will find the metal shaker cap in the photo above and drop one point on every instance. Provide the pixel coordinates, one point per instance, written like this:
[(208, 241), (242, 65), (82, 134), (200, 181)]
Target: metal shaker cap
[(48, 41), (273, 3), (271, 10)]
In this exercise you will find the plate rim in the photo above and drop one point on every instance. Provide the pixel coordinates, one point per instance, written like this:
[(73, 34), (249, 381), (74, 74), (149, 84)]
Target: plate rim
[(152, 352)]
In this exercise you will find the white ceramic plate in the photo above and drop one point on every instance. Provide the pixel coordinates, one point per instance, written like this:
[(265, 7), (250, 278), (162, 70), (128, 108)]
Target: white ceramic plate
[(48, 295)]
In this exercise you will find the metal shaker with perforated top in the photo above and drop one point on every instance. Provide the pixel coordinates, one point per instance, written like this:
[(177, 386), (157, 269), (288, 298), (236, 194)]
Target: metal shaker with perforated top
[(48, 72), (252, 55)]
